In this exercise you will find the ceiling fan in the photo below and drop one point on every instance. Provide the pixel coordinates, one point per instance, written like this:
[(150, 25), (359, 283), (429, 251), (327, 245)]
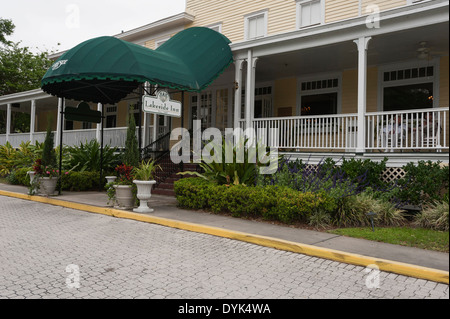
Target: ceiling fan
[(423, 52)]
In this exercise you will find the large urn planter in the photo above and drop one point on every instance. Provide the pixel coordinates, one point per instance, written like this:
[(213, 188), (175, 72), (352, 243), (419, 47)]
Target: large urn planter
[(124, 196), (47, 185), (144, 193)]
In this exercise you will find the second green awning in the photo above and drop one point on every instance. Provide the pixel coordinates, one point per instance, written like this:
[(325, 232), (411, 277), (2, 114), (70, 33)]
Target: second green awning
[(106, 69)]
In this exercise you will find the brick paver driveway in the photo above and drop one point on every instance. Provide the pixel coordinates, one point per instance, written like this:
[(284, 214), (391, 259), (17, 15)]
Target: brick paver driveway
[(53, 252)]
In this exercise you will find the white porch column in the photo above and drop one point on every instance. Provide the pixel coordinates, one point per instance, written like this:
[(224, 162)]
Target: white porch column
[(58, 121), (362, 43), (32, 120), (253, 87), (238, 92), (8, 121), (98, 131), (250, 89)]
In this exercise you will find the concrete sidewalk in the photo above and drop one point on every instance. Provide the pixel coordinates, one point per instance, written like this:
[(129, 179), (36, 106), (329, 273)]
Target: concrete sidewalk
[(165, 208)]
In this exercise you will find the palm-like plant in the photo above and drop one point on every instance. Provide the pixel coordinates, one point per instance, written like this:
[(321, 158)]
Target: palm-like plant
[(88, 156), (146, 170), (243, 168)]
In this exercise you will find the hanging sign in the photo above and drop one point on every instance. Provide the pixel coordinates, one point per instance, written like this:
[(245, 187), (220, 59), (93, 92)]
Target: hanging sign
[(82, 113), (161, 104)]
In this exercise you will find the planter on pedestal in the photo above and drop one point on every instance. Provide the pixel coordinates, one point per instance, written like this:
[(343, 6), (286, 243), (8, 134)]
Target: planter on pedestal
[(144, 193)]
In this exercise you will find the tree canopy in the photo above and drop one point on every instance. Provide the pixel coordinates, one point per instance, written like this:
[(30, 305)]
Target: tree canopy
[(20, 68)]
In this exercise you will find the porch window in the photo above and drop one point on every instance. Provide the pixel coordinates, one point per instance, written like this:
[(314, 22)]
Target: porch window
[(309, 12), (319, 104), (407, 97), (111, 117), (408, 88), (256, 25), (319, 97)]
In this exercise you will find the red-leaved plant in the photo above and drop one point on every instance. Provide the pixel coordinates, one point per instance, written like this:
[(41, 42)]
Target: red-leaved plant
[(124, 175)]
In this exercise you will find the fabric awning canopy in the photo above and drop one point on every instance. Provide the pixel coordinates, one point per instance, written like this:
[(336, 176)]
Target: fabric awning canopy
[(107, 69)]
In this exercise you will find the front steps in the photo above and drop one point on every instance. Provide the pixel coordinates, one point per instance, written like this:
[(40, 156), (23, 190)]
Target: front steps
[(168, 176)]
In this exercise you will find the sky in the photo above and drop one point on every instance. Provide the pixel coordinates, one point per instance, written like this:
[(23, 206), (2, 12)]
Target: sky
[(42, 24)]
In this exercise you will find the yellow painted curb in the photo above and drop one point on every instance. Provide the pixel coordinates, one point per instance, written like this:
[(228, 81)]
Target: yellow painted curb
[(326, 253)]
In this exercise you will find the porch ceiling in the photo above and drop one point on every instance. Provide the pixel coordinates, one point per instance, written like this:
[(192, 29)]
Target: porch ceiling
[(383, 49)]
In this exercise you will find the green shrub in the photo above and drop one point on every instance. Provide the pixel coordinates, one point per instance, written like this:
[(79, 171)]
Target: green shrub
[(192, 193), (354, 210), (80, 181), (424, 183), (131, 154), (366, 172), (269, 202), (435, 216)]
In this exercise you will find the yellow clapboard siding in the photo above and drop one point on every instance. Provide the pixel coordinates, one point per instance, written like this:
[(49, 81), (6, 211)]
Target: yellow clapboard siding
[(281, 15), (341, 9), (382, 4)]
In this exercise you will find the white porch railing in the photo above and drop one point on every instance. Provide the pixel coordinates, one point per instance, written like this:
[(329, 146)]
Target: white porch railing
[(424, 129), (413, 130), (308, 132), (113, 137)]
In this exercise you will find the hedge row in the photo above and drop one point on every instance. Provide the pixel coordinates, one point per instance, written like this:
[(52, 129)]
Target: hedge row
[(269, 202), (73, 181)]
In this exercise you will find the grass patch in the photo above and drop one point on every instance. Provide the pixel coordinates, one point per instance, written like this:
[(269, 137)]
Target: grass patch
[(405, 236)]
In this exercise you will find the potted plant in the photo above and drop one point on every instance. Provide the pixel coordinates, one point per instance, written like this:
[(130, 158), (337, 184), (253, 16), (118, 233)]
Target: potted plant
[(144, 180), (123, 187), (45, 167), (47, 178)]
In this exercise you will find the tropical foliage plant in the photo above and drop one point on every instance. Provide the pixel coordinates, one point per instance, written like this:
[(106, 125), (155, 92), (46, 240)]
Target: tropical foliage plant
[(241, 168), (146, 170), (87, 157)]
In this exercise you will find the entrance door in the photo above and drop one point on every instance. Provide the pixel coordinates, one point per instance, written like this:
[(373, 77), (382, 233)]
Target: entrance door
[(201, 109), (224, 107)]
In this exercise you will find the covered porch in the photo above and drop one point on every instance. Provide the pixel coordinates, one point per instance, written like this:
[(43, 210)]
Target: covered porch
[(350, 89), (41, 108)]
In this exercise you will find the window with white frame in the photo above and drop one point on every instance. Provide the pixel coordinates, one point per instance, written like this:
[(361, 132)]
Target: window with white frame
[(111, 116), (216, 27), (409, 87), (256, 25), (319, 96), (160, 42), (309, 12)]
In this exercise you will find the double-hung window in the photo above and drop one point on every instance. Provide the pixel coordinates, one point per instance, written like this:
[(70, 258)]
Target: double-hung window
[(309, 12), (256, 25)]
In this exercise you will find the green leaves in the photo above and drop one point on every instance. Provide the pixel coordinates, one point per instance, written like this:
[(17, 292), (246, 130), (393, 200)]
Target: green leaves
[(131, 155), (87, 157), (145, 170), (242, 170)]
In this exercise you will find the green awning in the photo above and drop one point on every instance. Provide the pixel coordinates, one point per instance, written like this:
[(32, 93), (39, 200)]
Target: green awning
[(107, 69)]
